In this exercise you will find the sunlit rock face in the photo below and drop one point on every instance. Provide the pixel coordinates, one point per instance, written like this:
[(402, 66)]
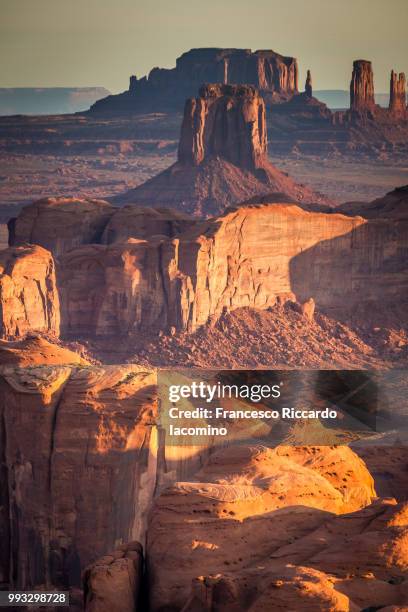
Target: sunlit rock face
[(29, 300), (60, 224), (247, 508), (136, 280), (221, 524)]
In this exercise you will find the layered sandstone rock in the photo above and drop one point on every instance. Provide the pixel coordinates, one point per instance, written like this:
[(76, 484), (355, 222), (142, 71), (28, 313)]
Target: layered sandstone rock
[(60, 224), (228, 526), (275, 75), (246, 504), (247, 258), (398, 94), (362, 87), (36, 350), (253, 254), (143, 223), (28, 292), (119, 289), (192, 271), (113, 583), (352, 562), (225, 121), (78, 470), (222, 157), (394, 205)]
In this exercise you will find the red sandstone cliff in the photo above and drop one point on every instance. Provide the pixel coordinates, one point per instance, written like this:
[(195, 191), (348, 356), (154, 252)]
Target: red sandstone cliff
[(362, 87), (78, 468), (398, 94), (227, 122), (29, 299), (191, 272)]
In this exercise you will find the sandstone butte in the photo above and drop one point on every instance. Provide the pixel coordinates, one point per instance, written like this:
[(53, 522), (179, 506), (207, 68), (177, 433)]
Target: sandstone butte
[(192, 272), (257, 521), (222, 157), (273, 74), (300, 122)]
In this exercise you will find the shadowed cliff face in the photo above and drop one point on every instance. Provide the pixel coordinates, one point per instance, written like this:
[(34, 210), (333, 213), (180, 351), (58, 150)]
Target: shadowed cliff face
[(357, 275), (79, 455), (163, 89)]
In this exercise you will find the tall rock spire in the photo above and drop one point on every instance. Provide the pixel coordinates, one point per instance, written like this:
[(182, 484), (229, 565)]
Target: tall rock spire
[(398, 103), (308, 85), (362, 87)]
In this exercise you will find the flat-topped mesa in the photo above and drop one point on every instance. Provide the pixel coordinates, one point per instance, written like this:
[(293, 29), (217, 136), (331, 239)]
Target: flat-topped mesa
[(226, 121), (308, 85), (397, 105), (362, 87), (275, 75)]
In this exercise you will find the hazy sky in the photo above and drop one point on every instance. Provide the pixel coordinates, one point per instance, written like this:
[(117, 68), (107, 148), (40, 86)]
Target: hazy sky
[(101, 42)]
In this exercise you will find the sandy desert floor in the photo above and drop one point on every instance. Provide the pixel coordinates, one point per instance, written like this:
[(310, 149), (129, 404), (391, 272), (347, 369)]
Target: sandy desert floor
[(79, 155)]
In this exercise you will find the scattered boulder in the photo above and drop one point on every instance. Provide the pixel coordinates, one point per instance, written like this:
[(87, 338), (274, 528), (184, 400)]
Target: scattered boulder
[(308, 309), (113, 582)]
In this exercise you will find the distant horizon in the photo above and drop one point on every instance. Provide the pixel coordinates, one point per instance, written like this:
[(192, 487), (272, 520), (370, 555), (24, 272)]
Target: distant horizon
[(59, 44), (42, 87)]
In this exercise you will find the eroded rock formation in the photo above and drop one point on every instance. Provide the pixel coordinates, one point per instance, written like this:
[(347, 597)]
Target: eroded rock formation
[(308, 85), (113, 582), (227, 121), (243, 510), (362, 87), (224, 525), (78, 468), (352, 562), (120, 288), (60, 224), (398, 94), (143, 223), (248, 257), (29, 300), (222, 157), (273, 74), (37, 350)]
